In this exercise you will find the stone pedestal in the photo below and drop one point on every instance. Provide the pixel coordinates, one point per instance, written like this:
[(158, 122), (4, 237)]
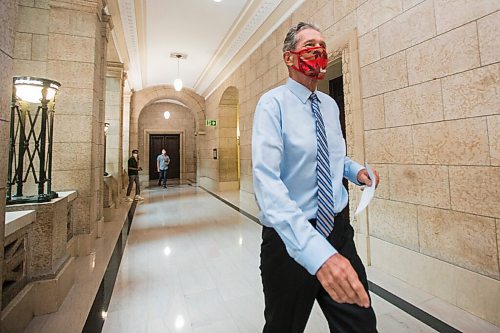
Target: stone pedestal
[(47, 252)]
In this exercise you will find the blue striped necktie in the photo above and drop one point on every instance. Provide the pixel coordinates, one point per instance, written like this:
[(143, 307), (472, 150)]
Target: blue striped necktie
[(325, 214)]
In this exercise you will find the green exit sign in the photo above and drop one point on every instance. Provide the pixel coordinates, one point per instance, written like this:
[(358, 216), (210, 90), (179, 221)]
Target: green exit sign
[(211, 122)]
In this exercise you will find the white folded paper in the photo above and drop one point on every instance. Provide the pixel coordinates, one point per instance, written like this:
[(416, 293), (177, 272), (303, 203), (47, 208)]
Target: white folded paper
[(368, 192)]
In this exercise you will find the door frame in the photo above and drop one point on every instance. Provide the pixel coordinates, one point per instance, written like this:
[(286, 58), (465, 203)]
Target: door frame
[(182, 148)]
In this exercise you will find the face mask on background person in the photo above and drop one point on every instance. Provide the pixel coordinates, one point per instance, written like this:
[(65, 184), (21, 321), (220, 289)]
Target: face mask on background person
[(164, 152), (135, 155), (312, 62)]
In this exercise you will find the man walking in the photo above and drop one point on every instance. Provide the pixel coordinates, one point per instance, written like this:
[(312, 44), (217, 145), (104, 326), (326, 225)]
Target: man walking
[(133, 176), (299, 160), (162, 162)]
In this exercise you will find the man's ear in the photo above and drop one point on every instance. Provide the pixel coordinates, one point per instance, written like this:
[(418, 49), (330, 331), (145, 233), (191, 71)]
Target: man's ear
[(288, 58)]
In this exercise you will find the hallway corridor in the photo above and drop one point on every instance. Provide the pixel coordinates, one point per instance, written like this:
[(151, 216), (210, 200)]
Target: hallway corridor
[(191, 265)]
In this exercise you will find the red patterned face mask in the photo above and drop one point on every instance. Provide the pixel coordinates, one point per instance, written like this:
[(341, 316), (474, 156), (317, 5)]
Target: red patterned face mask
[(312, 62)]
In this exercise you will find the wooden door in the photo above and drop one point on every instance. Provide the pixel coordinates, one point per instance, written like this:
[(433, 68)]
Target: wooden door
[(171, 142)]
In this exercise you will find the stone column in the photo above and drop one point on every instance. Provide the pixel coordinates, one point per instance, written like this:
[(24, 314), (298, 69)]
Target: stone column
[(7, 30), (114, 116), (77, 38)]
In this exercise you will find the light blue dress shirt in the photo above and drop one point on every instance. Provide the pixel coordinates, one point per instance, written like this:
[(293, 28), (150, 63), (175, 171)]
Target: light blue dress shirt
[(284, 168), (163, 161)]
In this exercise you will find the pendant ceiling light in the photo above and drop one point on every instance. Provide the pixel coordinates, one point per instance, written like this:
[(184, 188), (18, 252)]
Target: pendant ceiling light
[(178, 81)]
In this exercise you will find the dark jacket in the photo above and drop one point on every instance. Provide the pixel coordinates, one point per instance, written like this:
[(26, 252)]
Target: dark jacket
[(132, 163)]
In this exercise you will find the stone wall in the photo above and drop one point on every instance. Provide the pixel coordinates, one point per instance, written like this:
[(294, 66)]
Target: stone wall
[(429, 74), (7, 30), (181, 121), (66, 41)]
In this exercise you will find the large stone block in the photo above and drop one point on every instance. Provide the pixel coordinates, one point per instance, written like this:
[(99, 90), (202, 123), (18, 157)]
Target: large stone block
[(395, 222), (66, 180), (369, 48), (373, 112), (420, 184), (8, 27), (382, 191), (6, 63), (391, 145), (450, 53), (454, 13), (71, 48), (413, 105), (410, 28), (385, 75), (81, 215), (76, 23), (373, 13), (474, 190), (489, 43), (472, 93), (22, 48), (72, 74), (270, 78), (30, 68), (465, 240), (39, 47), (72, 128), (458, 142), (323, 16), (68, 156), (74, 101), (340, 29), (479, 296), (494, 139), (32, 20)]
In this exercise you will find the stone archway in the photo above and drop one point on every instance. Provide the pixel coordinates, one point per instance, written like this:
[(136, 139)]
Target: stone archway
[(147, 96)]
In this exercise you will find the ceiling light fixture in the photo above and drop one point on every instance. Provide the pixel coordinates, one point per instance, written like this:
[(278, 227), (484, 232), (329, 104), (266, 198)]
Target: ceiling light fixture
[(166, 115), (178, 82)]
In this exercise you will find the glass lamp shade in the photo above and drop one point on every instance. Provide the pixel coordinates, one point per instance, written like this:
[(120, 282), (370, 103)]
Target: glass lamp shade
[(30, 89), (178, 84), (166, 115)]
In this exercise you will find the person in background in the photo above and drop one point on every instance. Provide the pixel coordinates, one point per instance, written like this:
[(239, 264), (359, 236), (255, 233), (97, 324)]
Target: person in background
[(133, 176), (162, 162)]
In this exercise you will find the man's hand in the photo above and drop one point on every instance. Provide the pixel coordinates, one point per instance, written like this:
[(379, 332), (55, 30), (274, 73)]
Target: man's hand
[(363, 177), (341, 281)]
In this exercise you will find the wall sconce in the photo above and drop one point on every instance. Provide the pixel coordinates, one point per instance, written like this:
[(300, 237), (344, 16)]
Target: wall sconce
[(31, 135)]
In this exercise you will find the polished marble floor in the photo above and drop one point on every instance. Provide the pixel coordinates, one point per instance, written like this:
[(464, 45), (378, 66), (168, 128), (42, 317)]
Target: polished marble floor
[(191, 265)]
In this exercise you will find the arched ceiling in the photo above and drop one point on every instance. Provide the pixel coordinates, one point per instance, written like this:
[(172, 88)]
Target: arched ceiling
[(211, 33)]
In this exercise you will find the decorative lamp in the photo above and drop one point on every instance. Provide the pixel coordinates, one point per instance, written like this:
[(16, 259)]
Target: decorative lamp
[(31, 136)]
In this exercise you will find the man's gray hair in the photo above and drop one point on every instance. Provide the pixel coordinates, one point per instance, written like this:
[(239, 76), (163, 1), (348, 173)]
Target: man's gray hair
[(291, 37)]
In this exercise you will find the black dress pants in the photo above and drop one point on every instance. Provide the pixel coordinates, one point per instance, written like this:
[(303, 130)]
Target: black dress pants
[(290, 291)]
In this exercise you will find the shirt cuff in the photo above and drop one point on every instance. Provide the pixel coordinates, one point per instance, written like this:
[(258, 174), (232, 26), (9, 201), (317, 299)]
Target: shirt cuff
[(314, 255), (353, 176)]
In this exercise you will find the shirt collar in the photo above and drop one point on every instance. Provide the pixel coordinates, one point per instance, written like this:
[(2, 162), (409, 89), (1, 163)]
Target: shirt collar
[(300, 91)]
